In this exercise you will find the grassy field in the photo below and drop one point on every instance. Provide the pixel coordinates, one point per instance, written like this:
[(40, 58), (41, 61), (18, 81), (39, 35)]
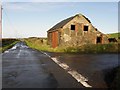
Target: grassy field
[(114, 35), (7, 43)]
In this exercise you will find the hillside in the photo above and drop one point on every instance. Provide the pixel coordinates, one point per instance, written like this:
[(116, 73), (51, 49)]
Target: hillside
[(114, 35)]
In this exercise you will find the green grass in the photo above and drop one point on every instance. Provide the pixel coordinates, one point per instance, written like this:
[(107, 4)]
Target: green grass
[(94, 48), (8, 46), (7, 43), (114, 35)]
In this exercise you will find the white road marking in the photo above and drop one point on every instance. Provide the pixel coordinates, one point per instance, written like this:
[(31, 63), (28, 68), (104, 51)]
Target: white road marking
[(46, 54), (80, 78)]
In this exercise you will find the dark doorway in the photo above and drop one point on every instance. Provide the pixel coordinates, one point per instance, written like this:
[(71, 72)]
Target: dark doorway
[(85, 28), (99, 40), (112, 40)]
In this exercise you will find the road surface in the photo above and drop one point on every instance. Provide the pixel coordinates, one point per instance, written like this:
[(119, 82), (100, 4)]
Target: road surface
[(24, 67)]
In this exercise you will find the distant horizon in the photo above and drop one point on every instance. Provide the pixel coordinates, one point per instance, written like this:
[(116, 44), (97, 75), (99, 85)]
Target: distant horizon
[(46, 36), (34, 19), (43, 37)]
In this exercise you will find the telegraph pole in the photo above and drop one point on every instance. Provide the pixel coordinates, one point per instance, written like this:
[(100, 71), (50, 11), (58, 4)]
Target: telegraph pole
[(0, 21)]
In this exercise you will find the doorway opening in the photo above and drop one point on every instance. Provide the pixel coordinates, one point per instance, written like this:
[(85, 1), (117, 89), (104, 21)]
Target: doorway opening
[(99, 40)]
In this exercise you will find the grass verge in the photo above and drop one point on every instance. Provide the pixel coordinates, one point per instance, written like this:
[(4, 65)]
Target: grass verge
[(7, 43)]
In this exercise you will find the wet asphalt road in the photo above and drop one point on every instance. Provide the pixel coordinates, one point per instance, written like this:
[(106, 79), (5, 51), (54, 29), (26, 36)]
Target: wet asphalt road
[(27, 68), (24, 67)]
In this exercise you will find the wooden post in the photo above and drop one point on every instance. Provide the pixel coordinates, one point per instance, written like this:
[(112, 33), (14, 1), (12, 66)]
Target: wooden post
[(0, 21)]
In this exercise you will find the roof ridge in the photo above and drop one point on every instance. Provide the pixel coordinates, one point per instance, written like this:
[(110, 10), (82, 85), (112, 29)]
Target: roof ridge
[(65, 21), (61, 23)]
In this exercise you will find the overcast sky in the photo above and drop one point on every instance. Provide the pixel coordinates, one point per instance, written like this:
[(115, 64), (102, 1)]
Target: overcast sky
[(33, 19)]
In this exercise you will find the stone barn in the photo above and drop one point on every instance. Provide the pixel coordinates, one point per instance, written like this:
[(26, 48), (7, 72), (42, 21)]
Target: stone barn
[(75, 31)]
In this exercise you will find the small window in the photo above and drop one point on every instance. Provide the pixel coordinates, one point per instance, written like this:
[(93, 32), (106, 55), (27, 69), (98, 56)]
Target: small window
[(72, 27), (85, 28)]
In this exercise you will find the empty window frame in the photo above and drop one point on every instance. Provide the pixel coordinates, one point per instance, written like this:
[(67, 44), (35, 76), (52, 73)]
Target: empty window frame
[(85, 28), (72, 27)]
